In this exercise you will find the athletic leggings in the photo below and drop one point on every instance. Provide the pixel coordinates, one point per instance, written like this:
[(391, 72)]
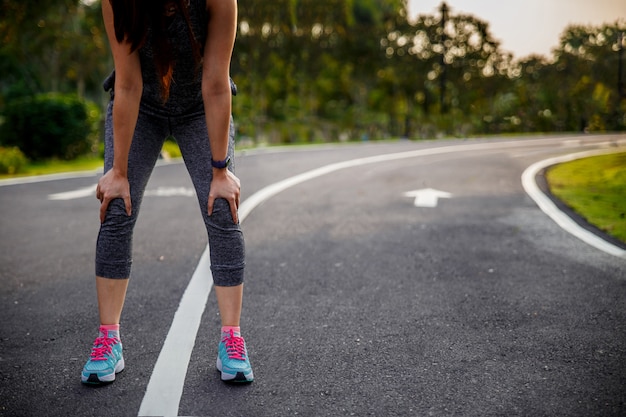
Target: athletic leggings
[(114, 246)]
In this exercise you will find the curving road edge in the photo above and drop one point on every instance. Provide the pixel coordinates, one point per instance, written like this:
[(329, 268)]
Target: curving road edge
[(548, 207)]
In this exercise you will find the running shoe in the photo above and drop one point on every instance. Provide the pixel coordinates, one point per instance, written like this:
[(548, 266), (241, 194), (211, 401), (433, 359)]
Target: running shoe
[(232, 359), (106, 359)]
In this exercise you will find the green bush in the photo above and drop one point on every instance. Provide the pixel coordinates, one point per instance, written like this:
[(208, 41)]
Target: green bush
[(49, 126), (11, 160)]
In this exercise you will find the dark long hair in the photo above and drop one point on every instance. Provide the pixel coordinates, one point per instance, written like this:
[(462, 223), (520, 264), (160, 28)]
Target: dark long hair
[(132, 18)]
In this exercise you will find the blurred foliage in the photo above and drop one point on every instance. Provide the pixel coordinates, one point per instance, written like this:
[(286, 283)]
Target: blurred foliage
[(51, 45), (361, 69), (319, 70), (171, 149), (50, 125), (12, 160)]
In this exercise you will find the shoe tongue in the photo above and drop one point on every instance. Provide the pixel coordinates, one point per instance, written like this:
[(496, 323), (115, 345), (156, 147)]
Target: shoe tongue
[(112, 334), (226, 335)]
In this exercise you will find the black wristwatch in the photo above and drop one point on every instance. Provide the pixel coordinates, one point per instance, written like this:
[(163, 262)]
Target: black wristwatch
[(221, 164)]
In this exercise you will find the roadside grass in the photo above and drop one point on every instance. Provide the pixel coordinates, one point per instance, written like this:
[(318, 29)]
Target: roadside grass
[(83, 163), (55, 166), (595, 188)]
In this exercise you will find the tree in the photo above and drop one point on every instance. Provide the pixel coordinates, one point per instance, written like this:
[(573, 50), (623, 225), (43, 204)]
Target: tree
[(51, 46), (442, 64), (315, 70), (579, 89), (587, 60)]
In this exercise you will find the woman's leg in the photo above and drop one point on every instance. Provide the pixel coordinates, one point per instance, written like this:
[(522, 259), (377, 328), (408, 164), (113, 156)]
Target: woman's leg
[(111, 296), (229, 302), (225, 238), (226, 247), (114, 246)]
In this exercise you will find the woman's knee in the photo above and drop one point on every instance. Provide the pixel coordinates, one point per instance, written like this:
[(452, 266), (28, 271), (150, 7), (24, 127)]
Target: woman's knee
[(117, 221), (221, 219)]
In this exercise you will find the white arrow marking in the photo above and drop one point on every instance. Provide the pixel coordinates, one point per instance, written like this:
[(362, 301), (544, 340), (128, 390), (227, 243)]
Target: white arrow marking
[(71, 195), (427, 197)]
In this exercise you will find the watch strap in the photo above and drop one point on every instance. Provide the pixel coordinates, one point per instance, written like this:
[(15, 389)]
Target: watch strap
[(221, 164)]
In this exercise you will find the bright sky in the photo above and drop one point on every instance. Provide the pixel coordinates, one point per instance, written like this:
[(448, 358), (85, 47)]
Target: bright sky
[(524, 27)]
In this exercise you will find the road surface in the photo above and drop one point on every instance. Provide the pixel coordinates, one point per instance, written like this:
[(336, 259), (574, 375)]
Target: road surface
[(406, 278)]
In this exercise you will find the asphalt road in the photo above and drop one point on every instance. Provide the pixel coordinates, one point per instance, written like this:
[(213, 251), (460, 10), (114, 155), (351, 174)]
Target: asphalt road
[(357, 301)]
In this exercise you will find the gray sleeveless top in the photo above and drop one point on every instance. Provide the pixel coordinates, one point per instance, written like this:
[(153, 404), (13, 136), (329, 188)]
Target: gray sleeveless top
[(186, 89)]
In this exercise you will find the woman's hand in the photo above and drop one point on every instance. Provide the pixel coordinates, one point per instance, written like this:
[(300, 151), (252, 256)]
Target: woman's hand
[(113, 185), (227, 186)]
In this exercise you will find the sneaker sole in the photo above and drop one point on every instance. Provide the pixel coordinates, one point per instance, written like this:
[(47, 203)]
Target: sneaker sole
[(94, 379), (239, 376)]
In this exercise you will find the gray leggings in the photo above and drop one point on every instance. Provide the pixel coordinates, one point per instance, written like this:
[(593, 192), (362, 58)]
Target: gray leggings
[(114, 246)]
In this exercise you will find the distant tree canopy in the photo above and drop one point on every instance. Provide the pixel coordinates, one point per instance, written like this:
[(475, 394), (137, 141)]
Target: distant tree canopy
[(319, 70), (51, 46)]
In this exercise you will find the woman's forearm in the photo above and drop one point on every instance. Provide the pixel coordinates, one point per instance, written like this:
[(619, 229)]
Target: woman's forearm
[(128, 89), (216, 92), (217, 108), (125, 113)]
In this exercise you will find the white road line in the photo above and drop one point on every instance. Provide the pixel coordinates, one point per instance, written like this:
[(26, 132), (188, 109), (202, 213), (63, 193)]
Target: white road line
[(71, 195), (271, 190), (69, 175), (562, 219), (50, 177), (165, 388)]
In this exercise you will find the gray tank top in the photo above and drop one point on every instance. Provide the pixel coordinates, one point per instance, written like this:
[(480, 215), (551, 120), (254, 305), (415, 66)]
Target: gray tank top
[(186, 89)]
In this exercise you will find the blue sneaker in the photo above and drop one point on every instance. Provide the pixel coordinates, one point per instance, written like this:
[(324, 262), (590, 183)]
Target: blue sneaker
[(232, 359), (106, 359)]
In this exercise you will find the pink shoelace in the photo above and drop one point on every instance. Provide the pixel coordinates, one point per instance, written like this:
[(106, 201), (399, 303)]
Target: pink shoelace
[(235, 347), (101, 347)]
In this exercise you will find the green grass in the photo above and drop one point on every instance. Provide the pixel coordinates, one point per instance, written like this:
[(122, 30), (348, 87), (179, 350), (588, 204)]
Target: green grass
[(83, 163), (595, 188), (55, 166)]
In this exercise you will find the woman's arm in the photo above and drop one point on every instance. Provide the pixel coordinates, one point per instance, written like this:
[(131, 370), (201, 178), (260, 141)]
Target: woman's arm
[(217, 96), (128, 89)]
